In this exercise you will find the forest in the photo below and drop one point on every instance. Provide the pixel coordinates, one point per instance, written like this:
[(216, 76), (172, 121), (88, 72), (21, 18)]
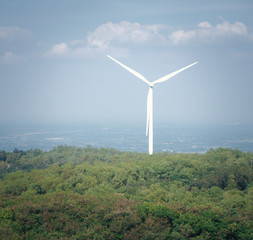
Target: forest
[(90, 193)]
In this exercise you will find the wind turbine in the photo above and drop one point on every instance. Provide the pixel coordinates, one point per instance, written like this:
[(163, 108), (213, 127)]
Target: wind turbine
[(149, 126)]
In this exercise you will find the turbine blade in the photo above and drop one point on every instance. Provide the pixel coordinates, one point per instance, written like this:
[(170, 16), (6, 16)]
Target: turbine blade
[(138, 75), (162, 79), (148, 111)]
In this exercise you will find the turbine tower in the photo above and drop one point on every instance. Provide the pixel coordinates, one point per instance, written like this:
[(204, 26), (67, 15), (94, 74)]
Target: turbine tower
[(149, 126)]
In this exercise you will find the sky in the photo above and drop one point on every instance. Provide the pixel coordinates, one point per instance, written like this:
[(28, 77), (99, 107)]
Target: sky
[(53, 64)]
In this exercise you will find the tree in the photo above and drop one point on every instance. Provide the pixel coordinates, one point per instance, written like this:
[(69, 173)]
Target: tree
[(3, 156)]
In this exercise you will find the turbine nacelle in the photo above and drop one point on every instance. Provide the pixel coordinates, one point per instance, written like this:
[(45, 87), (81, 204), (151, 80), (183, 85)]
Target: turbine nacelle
[(149, 126)]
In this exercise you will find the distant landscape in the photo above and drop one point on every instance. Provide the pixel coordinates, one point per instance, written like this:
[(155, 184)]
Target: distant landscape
[(177, 138)]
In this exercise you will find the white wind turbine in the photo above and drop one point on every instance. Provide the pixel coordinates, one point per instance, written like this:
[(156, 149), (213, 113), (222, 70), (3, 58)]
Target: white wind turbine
[(149, 126)]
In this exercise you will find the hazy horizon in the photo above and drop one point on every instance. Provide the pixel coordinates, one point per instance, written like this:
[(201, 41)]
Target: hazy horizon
[(126, 137)]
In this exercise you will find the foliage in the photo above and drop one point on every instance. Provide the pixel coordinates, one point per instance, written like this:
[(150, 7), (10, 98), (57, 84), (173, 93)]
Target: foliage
[(89, 193)]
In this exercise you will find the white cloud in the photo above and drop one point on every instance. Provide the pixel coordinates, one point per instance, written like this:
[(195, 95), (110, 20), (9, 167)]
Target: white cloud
[(182, 36), (206, 32), (110, 33), (13, 32), (10, 57), (59, 49), (227, 28), (124, 32), (110, 37), (205, 25)]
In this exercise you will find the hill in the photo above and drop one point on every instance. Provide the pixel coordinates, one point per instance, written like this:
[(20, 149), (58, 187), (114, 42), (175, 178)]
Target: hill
[(89, 193)]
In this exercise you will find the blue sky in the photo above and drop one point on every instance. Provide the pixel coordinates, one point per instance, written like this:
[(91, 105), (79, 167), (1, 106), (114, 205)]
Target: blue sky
[(53, 64)]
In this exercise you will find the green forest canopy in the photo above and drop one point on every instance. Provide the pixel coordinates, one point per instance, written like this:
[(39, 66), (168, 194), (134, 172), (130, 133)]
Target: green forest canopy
[(89, 193)]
